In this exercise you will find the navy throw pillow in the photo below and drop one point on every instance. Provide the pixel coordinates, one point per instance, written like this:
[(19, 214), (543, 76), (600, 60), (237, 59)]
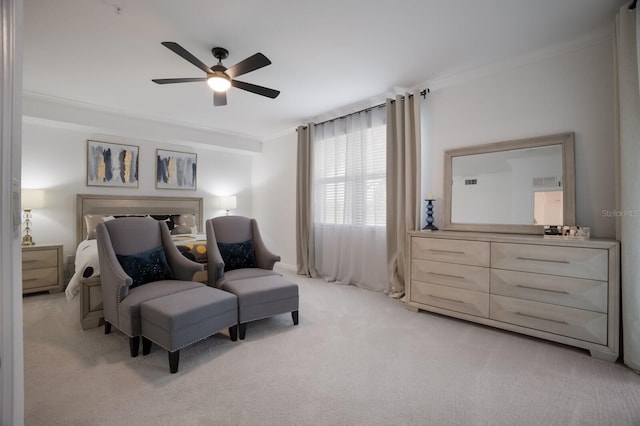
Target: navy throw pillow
[(145, 267), (237, 255)]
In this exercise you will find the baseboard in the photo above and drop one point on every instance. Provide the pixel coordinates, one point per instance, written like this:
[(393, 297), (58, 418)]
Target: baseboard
[(285, 267)]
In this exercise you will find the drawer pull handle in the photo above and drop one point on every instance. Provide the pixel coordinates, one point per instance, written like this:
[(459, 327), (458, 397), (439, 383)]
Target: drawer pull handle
[(446, 275), (29, 279), (542, 318), (446, 298), (446, 251), (30, 260), (543, 260), (542, 289)]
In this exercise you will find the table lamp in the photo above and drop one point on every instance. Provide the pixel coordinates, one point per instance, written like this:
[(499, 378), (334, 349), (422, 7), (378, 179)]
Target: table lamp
[(228, 203), (31, 199)]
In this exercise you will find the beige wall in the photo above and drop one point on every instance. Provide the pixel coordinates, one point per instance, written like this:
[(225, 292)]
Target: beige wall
[(54, 158), (274, 195), (566, 90), (569, 90)]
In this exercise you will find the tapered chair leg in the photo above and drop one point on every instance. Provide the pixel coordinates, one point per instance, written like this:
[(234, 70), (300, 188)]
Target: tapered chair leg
[(233, 333), (146, 346), (134, 345), (174, 359), (107, 327), (243, 330), (294, 315)]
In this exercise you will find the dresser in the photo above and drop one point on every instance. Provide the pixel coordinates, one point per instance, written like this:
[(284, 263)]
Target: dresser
[(563, 290), (42, 268)]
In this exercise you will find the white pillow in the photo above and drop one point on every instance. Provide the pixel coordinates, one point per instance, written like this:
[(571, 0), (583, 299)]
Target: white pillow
[(185, 224), (92, 220)]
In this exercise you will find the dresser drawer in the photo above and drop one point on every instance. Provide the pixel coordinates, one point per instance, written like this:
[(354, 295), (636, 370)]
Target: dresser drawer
[(35, 259), (450, 274), (36, 278), (454, 299), (453, 251), (566, 261), (573, 292), (577, 323)]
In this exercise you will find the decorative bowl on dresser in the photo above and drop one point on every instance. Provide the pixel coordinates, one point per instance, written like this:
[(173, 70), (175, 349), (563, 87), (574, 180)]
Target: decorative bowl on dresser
[(42, 268), (564, 290)]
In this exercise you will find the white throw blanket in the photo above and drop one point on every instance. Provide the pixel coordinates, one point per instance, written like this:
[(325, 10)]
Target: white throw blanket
[(86, 257)]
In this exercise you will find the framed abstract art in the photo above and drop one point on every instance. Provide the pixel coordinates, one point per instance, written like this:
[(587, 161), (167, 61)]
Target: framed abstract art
[(112, 164), (176, 170)]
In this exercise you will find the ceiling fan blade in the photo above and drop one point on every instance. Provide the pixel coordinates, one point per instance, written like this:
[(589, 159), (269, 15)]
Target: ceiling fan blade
[(258, 90), (178, 80), (252, 63), (219, 98), (181, 51)]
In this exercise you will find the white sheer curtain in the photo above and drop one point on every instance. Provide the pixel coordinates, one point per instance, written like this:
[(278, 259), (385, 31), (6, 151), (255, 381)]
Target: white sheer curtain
[(349, 200)]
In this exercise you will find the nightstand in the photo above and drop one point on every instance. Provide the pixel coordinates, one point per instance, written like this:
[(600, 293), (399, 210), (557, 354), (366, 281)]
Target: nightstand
[(42, 268)]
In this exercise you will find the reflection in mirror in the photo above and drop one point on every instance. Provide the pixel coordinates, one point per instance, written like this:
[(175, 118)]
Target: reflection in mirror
[(505, 183), (516, 186), (547, 207)]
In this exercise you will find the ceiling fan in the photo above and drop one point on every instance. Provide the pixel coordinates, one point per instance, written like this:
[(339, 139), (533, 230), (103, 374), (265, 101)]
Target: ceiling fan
[(219, 77)]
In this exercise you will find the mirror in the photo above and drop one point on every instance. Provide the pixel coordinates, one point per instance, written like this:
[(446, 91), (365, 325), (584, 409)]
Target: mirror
[(511, 187)]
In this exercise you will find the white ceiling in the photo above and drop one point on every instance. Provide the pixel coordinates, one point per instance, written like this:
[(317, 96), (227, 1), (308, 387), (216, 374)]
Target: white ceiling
[(327, 55)]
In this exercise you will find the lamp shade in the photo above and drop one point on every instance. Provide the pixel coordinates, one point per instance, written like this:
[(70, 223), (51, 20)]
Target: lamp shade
[(229, 202), (32, 199)]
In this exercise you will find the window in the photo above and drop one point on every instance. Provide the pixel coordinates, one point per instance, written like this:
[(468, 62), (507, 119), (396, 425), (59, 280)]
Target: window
[(350, 170)]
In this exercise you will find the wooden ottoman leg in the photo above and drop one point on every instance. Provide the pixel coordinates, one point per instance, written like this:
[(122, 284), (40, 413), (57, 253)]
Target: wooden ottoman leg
[(134, 345), (174, 358), (233, 333), (146, 346), (294, 315), (243, 330), (107, 327)]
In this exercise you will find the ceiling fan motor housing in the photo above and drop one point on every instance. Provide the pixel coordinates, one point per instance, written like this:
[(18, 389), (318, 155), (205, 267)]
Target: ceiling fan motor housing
[(220, 53)]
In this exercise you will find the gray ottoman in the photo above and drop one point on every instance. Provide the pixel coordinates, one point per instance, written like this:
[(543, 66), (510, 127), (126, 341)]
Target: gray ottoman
[(263, 297), (180, 319)]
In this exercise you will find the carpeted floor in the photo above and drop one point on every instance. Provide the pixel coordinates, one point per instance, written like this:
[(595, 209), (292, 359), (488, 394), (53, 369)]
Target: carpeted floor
[(356, 358)]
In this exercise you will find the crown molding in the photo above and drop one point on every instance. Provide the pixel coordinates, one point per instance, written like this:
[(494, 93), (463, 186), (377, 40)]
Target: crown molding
[(602, 35), (64, 113)]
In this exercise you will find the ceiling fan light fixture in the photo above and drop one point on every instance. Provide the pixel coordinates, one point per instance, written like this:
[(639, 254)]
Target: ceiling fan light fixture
[(219, 77), (219, 82)]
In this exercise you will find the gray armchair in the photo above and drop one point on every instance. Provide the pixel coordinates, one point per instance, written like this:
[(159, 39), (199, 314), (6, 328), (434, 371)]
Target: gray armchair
[(246, 270), (236, 229), (126, 238)]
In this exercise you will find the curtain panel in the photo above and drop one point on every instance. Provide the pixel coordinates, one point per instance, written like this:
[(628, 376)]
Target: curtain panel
[(349, 188), (628, 162), (305, 246), (403, 184)]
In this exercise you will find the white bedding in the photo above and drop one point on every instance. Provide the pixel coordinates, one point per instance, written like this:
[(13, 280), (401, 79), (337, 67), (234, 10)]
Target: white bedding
[(86, 257)]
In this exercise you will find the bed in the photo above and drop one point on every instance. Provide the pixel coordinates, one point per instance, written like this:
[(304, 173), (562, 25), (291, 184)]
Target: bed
[(184, 215)]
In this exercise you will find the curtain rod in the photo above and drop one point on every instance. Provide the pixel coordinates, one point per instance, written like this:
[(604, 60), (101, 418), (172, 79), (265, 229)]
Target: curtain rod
[(423, 93)]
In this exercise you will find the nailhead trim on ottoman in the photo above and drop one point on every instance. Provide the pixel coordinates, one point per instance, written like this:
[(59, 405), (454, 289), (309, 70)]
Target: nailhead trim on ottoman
[(178, 320)]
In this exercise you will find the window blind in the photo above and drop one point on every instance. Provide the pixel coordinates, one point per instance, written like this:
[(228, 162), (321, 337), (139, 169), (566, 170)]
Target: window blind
[(350, 170)]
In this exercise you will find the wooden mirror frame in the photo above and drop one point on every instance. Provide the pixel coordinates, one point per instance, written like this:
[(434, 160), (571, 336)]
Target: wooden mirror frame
[(566, 140)]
